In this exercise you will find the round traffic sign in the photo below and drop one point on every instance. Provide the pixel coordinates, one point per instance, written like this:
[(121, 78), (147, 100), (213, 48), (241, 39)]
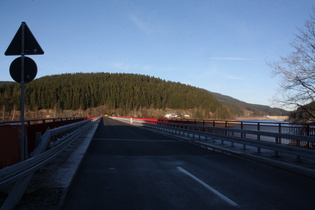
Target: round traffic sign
[(30, 69)]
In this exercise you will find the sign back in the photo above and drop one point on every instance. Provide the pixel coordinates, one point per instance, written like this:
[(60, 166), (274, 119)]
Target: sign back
[(31, 46)]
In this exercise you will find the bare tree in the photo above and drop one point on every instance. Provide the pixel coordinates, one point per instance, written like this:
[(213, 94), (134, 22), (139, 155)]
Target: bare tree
[(297, 70)]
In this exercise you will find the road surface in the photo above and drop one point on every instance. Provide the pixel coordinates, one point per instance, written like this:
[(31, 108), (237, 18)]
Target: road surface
[(127, 167)]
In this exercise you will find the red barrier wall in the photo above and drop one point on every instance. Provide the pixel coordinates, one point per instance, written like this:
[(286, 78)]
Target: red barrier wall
[(9, 145), (10, 139), (88, 118), (139, 118)]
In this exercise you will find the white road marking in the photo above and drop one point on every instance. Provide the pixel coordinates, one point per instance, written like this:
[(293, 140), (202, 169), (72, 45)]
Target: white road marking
[(226, 199)]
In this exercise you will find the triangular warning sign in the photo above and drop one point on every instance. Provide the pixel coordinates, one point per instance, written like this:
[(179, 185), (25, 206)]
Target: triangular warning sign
[(31, 46)]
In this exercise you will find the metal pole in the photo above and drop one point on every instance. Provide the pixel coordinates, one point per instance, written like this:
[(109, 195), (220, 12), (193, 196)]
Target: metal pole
[(22, 137)]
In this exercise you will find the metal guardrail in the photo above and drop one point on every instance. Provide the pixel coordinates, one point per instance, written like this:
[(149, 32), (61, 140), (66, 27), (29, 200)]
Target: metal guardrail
[(46, 151), (299, 145)]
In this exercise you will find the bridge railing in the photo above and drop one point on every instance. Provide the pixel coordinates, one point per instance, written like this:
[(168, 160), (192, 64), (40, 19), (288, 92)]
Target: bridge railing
[(299, 145), (264, 125), (45, 152)]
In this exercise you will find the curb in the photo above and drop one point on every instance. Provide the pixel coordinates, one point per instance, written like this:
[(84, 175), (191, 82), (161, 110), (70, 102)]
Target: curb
[(87, 138)]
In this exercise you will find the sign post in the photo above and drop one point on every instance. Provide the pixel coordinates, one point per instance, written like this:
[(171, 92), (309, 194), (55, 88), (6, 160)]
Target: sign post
[(23, 43), (23, 141)]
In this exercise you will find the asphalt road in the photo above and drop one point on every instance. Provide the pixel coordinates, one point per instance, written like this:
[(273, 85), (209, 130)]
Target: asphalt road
[(127, 167)]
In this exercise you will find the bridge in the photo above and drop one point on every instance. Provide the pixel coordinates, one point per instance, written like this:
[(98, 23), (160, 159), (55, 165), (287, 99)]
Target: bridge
[(123, 163)]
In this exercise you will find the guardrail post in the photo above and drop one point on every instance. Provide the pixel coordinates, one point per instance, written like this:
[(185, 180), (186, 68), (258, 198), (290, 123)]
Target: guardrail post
[(206, 136), (243, 135), (308, 129), (226, 125), (307, 134), (258, 137), (232, 143), (276, 152), (280, 131)]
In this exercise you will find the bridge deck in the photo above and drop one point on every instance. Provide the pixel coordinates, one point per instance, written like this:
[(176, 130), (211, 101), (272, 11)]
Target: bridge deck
[(127, 167)]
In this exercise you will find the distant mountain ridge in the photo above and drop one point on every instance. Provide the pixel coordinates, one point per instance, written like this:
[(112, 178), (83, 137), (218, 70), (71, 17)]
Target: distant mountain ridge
[(241, 108)]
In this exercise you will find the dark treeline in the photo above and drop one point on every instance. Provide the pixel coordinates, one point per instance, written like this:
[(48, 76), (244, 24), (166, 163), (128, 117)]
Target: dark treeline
[(116, 91), (304, 114)]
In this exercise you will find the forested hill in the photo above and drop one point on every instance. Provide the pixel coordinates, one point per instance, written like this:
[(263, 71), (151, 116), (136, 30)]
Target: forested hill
[(124, 92)]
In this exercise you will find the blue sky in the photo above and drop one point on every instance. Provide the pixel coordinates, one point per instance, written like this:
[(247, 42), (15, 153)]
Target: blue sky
[(219, 45)]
